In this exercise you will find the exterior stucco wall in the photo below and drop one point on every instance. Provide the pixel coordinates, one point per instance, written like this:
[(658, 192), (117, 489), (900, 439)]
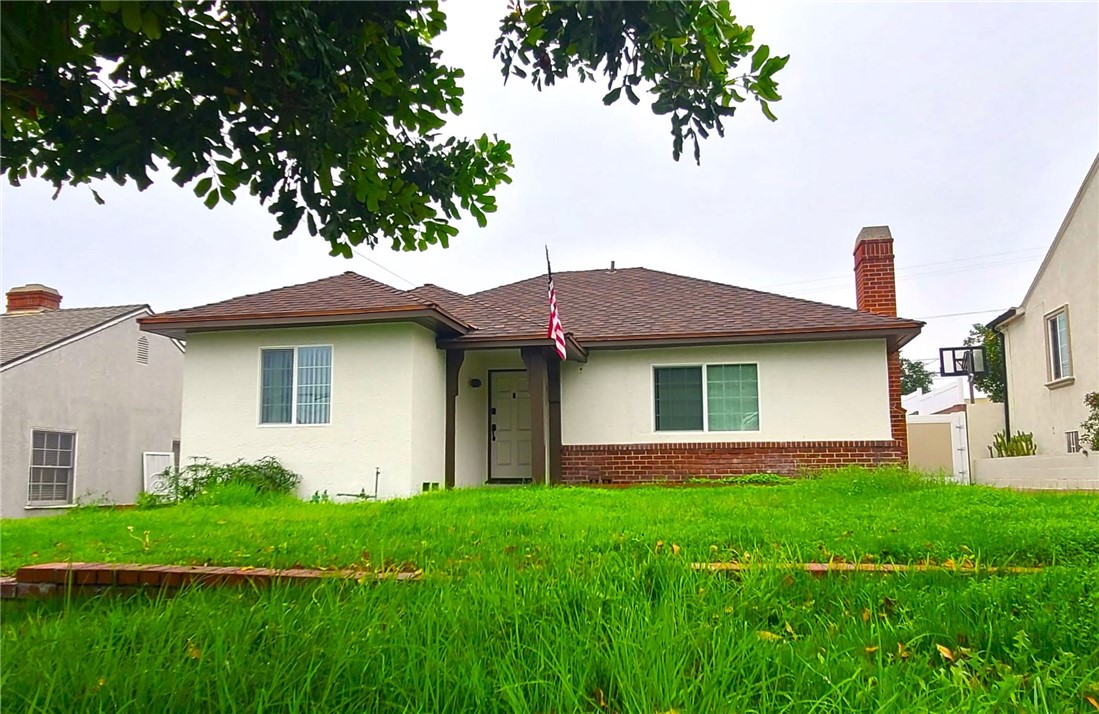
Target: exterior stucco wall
[(823, 391), (382, 407), (471, 413), (1068, 472), (1070, 277), (428, 411), (95, 387)]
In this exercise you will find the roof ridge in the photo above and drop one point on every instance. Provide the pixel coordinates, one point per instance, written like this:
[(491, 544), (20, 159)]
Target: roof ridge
[(769, 294), (132, 306), (488, 305)]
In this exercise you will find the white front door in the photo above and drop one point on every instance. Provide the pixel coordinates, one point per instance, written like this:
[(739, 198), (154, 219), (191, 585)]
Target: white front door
[(509, 425)]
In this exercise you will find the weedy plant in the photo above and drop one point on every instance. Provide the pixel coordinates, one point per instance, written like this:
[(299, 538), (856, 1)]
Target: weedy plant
[(209, 482), (1019, 444)]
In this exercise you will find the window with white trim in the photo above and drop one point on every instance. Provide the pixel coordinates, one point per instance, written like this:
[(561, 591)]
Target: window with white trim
[(296, 385), (1072, 441), (713, 397), (1057, 340), (53, 454)]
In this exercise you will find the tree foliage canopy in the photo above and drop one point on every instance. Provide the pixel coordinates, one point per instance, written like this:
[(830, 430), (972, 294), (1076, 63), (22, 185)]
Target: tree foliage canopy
[(914, 375), (333, 113), (993, 381)]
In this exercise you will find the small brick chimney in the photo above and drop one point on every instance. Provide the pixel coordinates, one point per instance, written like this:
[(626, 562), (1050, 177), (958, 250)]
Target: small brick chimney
[(875, 283), (33, 298), (876, 292)]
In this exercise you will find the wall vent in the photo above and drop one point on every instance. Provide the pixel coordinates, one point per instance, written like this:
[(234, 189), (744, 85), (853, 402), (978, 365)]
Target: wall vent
[(143, 350)]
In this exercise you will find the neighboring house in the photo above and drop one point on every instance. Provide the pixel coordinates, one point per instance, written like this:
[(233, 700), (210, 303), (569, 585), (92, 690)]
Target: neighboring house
[(84, 393), (666, 377), (1052, 337), (953, 396)]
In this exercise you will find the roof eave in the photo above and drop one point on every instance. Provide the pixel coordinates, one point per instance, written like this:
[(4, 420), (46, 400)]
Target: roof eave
[(897, 337), (434, 318), (1004, 318), (573, 349)]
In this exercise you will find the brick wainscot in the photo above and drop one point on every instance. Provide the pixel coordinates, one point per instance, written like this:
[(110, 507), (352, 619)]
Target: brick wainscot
[(637, 463)]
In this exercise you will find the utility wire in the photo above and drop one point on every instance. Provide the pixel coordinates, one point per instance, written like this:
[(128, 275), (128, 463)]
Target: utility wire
[(374, 262), (912, 267)]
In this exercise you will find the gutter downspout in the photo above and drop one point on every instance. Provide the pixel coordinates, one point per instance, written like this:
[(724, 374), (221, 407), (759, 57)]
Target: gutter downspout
[(1003, 362)]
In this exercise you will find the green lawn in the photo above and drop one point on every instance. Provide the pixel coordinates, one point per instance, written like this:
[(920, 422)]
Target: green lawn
[(561, 600)]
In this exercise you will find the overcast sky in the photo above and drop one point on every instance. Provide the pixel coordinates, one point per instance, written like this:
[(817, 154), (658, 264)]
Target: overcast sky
[(965, 127)]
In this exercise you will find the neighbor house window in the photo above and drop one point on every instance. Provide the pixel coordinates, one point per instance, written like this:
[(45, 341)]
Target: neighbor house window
[(714, 397), (296, 385), (1060, 357), (1072, 439), (51, 478)]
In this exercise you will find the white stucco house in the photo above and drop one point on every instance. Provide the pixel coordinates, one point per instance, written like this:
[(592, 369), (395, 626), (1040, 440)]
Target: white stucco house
[(666, 377), (85, 395), (1051, 339)]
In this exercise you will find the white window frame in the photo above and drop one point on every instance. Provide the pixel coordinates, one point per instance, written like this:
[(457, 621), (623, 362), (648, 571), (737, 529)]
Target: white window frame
[(31, 505), (705, 398), (1051, 359), (293, 423)]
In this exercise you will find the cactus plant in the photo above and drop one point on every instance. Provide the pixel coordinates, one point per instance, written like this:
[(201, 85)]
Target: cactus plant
[(1020, 444)]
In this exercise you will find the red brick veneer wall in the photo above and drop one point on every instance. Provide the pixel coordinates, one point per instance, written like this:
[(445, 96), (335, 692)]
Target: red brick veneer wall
[(636, 463)]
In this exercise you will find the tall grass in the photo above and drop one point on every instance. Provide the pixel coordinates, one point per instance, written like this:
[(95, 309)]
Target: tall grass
[(579, 600)]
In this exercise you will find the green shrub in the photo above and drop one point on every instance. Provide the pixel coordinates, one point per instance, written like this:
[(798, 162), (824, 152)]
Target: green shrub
[(1090, 427), (202, 477)]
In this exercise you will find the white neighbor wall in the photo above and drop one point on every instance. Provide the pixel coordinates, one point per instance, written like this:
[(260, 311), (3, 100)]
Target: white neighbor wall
[(95, 387), (1070, 276), (808, 391), (388, 406)]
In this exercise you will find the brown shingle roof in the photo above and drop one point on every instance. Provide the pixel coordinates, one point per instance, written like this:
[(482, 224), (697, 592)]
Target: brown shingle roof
[(344, 293), (23, 334), (643, 304), (597, 306)]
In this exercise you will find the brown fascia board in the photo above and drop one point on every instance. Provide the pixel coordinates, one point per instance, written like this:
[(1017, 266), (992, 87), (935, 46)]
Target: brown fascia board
[(575, 350), (431, 317), (897, 337)]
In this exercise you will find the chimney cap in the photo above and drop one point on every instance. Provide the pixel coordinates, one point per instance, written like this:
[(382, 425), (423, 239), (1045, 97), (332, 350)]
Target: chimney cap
[(34, 288), (869, 233)]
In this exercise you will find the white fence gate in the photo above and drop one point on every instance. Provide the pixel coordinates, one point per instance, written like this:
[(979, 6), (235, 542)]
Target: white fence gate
[(959, 441)]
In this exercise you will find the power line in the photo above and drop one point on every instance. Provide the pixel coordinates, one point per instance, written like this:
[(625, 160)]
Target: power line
[(374, 262), (959, 314), (919, 265)]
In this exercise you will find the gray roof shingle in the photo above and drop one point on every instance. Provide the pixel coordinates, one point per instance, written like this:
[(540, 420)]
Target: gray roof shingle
[(23, 334)]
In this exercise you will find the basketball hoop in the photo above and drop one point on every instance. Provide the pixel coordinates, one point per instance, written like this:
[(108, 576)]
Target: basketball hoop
[(966, 362)]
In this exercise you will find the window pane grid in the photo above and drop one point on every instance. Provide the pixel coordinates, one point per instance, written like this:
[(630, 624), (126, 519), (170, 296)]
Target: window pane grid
[(296, 385), (1060, 365), (314, 384), (51, 471), (732, 397)]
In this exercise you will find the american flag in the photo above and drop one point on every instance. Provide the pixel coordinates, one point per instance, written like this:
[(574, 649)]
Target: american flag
[(556, 332)]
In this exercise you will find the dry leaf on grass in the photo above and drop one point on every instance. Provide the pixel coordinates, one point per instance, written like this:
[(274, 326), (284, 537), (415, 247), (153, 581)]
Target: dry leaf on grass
[(945, 652)]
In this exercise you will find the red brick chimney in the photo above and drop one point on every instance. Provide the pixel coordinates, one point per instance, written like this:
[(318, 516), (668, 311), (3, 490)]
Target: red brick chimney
[(33, 298), (876, 292), (875, 284)]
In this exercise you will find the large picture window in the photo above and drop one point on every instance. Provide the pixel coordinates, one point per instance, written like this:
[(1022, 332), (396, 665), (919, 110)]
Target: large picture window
[(714, 397), (296, 385), (53, 454), (1057, 338)]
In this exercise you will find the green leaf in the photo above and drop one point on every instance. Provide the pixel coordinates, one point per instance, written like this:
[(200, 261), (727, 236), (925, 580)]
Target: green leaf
[(767, 111), (227, 195), (203, 186), (612, 96), (631, 95), (131, 16), (111, 6), (716, 65), (212, 199), (760, 57), (97, 197), (150, 26)]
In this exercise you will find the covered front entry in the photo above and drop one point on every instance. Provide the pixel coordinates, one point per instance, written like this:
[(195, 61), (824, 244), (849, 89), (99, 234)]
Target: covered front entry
[(509, 443), (503, 415)]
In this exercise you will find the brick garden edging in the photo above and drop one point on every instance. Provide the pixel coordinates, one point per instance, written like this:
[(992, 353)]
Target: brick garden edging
[(49, 579)]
